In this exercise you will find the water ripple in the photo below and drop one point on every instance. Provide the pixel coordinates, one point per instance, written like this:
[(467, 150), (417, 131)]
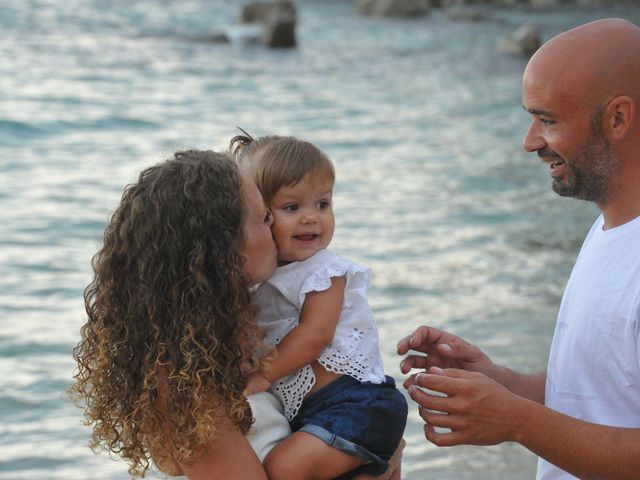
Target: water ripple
[(433, 192)]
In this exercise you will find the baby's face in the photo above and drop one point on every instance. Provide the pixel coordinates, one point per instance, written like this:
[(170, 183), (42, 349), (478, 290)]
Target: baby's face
[(303, 219)]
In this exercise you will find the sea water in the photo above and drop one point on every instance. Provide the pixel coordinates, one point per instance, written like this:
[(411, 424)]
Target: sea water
[(422, 118)]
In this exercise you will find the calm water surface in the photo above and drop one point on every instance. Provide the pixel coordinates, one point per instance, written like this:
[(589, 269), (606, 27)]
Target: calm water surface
[(422, 119)]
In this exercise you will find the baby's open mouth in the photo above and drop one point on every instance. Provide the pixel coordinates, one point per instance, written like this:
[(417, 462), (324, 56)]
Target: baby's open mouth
[(306, 238)]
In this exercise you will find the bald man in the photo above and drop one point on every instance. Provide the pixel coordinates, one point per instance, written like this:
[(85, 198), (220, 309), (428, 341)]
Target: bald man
[(582, 415)]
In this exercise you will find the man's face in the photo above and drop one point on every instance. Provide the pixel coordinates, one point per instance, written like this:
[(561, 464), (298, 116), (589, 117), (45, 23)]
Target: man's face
[(589, 171), (568, 137)]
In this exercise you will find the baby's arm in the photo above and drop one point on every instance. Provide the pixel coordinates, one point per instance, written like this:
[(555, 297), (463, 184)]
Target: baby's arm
[(256, 383), (315, 330)]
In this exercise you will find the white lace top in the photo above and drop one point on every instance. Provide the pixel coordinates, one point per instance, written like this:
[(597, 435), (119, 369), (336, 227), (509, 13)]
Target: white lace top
[(354, 349)]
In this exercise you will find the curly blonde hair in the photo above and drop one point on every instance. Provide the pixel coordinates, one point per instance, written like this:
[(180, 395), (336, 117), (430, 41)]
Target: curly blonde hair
[(169, 306)]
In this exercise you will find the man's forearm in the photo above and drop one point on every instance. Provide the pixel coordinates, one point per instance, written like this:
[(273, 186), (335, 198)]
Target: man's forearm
[(586, 450), (529, 386)]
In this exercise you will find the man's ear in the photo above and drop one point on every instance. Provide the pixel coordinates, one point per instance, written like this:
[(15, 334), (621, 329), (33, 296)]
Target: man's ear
[(620, 115)]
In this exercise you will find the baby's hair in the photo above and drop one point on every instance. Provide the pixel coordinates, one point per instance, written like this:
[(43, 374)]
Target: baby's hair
[(280, 161)]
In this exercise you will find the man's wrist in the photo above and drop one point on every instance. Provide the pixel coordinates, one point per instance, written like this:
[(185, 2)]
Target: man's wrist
[(503, 376)]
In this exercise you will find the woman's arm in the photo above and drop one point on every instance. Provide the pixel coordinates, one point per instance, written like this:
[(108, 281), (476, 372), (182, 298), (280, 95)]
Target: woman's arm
[(228, 457), (314, 332)]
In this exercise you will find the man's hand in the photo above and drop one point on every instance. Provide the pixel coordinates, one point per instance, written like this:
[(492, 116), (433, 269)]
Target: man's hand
[(476, 409), (443, 350)]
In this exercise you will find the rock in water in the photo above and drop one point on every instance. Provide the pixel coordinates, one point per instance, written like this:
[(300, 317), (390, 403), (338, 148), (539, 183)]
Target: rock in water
[(393, 8), (280, 27), (278, 21), (524, 41)]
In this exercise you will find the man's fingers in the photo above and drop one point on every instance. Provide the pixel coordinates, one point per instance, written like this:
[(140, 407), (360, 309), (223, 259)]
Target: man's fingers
[(414, 361), (441, 420), (425, 364), (403, 345), (411, 380), (420, 339), (448, 381), (430, 336), (420, 336), (443, 439), (429, 400)]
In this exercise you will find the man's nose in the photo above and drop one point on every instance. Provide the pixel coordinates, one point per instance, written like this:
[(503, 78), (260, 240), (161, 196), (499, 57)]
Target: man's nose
[(533, 140)]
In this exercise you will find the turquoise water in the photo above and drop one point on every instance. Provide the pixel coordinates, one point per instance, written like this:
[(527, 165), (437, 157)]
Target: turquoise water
[(422, 119)]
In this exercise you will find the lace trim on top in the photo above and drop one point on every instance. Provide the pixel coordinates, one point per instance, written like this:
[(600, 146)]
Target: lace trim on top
[(292, 389), (353, 351)]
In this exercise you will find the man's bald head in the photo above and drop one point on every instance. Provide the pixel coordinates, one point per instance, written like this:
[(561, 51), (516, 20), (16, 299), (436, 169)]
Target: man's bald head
[(593, 62), (582, 89)]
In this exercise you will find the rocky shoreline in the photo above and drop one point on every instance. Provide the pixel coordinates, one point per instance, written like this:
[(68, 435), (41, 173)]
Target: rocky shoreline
[(272, 23), (408, 8), (416, 8)]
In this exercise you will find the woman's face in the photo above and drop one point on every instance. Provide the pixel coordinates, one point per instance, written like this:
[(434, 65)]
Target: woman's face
[(259, 247)]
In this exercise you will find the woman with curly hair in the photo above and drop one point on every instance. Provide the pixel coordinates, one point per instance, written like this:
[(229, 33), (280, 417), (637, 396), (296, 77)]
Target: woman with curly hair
[(171, 331)]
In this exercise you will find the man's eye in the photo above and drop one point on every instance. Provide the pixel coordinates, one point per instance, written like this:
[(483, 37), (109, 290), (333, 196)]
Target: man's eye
[(545, 121), (267, 216)]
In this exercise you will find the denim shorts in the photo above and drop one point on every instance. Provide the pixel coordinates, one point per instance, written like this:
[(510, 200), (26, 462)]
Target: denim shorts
[(366, 420)]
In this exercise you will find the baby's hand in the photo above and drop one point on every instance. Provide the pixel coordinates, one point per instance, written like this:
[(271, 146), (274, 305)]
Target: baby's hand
[(256, 383)]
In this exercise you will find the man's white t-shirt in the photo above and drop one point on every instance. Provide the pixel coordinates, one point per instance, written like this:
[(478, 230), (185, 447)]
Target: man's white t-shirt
[(594, 363)]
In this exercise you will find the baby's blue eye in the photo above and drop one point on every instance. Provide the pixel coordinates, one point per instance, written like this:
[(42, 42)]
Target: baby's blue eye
[(324, 204), (290, 208)]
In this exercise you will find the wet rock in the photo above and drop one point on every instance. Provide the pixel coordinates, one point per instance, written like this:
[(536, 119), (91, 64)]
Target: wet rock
[(483, 3), (545, 3), (217, 37), (507, 3), (393, 8), (277, 19), (462, 3), (467, 14), (524, 41), (256, 12)]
